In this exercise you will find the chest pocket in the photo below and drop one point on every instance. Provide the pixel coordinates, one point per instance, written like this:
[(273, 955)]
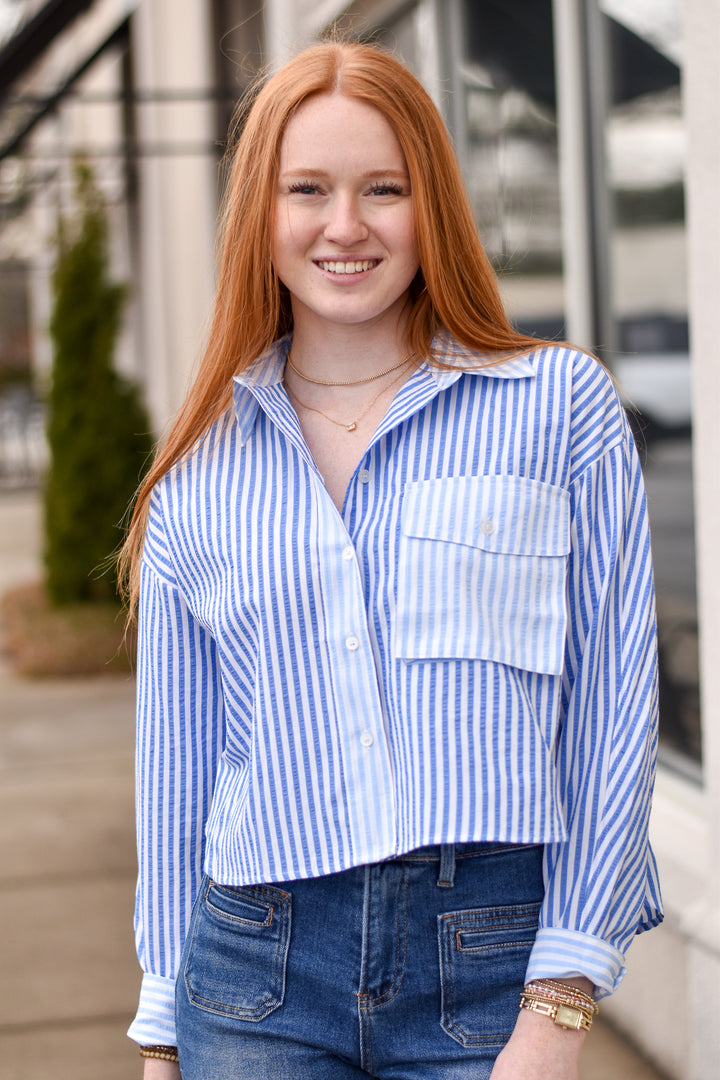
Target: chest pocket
[(482, 571)]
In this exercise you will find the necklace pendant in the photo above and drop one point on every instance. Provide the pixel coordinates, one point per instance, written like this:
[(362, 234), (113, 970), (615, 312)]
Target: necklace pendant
[(351, 427)]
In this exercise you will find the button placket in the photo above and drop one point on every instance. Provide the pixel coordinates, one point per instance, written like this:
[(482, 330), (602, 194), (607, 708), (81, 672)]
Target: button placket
[(366, 758), (352, 641)]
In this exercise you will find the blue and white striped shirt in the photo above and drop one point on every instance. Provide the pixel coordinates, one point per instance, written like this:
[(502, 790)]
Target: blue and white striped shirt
[(465, 652)]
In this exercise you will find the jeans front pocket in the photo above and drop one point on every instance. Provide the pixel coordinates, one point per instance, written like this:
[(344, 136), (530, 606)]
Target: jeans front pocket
[(237, 952), (484, 954)]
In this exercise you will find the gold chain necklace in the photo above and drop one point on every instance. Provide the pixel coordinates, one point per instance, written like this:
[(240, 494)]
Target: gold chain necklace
[(352, 425), (350, 382)]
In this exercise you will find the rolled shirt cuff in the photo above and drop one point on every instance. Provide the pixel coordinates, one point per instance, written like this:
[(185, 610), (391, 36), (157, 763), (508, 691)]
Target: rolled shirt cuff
[(154, 1023), (569, 954)]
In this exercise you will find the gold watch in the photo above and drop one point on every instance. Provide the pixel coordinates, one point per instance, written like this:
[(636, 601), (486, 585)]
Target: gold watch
[(565, 1016)]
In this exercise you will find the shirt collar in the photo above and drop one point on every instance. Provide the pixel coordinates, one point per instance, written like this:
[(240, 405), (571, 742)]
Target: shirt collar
[(267, 372), (446, 350)]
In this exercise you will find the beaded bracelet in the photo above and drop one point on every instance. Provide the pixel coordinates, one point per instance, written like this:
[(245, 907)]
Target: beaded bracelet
[(563, 992), (164, 1053), (571, 1002)]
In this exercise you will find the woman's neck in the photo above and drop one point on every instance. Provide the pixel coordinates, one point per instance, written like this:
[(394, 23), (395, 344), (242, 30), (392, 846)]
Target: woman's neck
[(339, 352)]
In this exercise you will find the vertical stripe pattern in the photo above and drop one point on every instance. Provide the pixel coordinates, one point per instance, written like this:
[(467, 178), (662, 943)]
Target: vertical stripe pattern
[(466, 652)]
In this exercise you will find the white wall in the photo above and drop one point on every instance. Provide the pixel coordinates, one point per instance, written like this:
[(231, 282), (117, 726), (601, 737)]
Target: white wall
[(178, 193), (702, 94)]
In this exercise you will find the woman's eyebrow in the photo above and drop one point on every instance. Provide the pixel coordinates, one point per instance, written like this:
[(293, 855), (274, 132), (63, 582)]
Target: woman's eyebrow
[(368, 174)]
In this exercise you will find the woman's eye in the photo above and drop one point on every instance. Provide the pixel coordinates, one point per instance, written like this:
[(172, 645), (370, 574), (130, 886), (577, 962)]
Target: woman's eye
[(303, 187), (386, 189)]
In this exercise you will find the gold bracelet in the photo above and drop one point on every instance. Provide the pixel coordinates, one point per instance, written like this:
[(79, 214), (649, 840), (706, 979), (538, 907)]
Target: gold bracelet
[(572, 1003), (164, 1053), (565, 1016), (562, 992), (563, 1003)]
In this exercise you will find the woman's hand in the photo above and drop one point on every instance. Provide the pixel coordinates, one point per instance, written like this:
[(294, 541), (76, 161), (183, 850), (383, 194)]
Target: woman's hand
[(539, 1049), (157, 1069)]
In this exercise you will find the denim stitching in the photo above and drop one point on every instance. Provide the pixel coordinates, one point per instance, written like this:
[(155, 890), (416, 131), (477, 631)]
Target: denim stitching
[(280, 957), (475, 921), (400, 949), (366, 1003)]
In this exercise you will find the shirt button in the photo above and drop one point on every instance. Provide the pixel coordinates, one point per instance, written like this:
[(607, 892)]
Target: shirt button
[(364, 476), (366, 738), (348, 553), (352, 643), (487, 526)]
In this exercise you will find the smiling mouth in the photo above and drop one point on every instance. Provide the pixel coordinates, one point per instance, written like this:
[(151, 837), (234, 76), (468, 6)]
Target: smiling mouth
[(353, 266)]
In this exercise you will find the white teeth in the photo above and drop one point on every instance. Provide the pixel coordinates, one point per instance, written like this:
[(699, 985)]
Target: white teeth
[(356, 267)]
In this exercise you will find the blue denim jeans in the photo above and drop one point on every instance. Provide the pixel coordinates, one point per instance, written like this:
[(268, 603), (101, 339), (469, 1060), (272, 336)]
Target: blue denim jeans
[(406, 969)]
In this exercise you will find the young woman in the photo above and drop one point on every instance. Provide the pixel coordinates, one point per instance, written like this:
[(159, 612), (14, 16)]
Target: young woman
[(397, 682)]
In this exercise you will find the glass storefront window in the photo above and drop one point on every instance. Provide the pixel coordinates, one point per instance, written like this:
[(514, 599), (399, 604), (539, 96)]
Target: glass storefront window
[(507, 140), (645, 153)]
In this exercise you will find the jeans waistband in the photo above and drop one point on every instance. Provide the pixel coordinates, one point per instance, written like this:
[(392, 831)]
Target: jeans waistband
[(447, 855)]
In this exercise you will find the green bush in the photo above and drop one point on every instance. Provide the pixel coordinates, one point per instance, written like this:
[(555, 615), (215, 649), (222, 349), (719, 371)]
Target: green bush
[(98, 430)]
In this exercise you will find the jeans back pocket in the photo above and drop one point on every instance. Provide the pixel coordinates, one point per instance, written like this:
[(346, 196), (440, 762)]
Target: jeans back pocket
[(236, 955), (484, 953)]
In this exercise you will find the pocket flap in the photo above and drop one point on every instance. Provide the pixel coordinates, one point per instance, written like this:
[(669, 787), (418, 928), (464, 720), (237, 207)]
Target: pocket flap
[(510, 515)]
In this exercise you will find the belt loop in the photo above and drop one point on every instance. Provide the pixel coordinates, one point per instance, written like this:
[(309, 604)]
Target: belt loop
[(446, 877)]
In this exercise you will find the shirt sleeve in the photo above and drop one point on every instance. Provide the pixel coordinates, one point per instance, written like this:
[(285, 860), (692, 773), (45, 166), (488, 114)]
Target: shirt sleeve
[(179, 738), (601, 882)]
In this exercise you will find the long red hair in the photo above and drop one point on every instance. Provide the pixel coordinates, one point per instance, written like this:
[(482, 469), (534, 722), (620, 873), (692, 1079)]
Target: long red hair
[(455, 288)]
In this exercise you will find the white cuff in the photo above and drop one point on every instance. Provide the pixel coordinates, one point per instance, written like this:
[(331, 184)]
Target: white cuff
[(568, 954), (154, 1023)]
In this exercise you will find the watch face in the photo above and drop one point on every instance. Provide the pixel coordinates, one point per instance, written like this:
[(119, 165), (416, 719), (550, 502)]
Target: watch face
[(568, 1016)]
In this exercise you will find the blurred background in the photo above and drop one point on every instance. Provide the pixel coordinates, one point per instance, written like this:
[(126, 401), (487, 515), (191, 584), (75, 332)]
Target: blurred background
[(588, 134)]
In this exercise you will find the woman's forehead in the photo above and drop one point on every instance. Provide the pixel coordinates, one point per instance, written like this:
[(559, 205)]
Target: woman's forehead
[(332, 126)]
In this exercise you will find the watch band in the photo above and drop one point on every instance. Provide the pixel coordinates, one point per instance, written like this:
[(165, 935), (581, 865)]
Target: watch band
[(565, 1016)]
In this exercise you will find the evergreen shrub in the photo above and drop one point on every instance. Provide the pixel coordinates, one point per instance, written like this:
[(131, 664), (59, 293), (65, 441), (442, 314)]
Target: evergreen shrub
[(98, 430)]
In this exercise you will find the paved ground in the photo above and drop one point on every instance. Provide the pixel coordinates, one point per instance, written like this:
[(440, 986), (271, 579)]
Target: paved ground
[(68, 976)]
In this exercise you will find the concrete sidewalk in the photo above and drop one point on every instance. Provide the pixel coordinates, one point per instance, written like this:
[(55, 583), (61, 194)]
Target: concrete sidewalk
[(69, 977)]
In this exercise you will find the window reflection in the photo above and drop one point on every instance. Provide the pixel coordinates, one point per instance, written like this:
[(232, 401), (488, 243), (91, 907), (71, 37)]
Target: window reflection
[(645, 148), (508, 144)]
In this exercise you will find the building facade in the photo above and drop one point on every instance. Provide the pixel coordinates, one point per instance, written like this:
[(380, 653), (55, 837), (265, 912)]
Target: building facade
[(587, 131)]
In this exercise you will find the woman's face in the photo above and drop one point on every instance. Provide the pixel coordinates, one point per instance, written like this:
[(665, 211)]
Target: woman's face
[(344, 236)]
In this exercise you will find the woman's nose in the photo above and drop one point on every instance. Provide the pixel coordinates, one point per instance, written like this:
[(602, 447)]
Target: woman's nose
[(345, 225)]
